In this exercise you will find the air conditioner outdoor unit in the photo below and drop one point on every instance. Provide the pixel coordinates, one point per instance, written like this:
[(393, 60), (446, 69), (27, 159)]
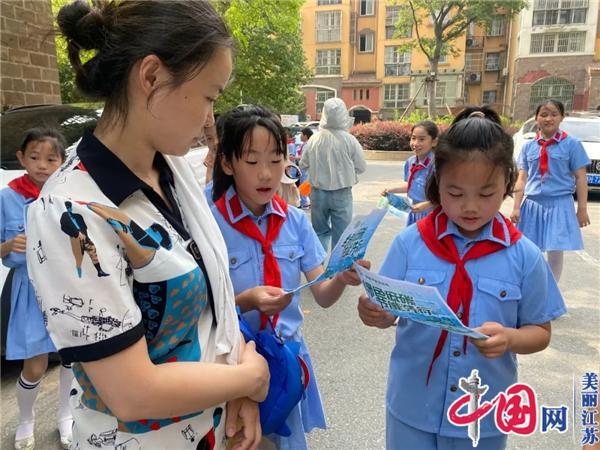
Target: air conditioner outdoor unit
[(474, 77), (471, 43)]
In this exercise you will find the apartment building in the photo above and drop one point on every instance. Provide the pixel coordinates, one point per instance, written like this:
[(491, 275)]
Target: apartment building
[(555, 54), (354, 50)]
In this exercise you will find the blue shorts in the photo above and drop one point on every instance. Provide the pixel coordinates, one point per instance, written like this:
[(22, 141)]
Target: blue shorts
[(399, 436)]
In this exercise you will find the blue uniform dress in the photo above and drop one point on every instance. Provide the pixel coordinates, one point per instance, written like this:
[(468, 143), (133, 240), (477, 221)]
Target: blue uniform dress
[(513, 287), (548, 212), (417, 187), (27, 335), (297, 250)]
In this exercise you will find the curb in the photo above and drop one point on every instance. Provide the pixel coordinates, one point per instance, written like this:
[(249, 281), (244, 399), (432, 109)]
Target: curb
[(386, 155)]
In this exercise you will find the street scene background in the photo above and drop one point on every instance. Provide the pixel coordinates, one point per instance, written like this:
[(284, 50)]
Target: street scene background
[(351, 360)]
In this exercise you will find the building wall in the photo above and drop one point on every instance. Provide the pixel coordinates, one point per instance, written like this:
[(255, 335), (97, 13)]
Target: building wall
[(28, 69)]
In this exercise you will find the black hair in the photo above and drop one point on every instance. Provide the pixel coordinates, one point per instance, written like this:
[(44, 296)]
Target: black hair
[(235, 135), (430, 127), (476, 132), (551, 101), (308, 132), (184, 34), (50, 135)]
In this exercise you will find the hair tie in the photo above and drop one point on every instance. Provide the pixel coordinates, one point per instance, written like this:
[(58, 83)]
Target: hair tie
[(477, 114)]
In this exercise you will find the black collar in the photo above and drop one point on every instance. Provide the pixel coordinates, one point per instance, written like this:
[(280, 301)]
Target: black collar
[(111, 175)]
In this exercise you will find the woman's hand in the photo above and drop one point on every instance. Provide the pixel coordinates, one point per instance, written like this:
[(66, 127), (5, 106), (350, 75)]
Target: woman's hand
[(257, 369), (373, 315), (582, 217), (350, 277), (268, 300), (497, 343), (515, 216), (243, 412)]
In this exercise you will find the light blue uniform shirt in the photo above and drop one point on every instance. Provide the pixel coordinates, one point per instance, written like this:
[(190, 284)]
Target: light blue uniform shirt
[(297, 250), (564, 158), (513, 287), (417, 187)]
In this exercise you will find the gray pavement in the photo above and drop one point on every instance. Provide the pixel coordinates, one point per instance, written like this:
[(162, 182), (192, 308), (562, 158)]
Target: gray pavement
[(351, 360)]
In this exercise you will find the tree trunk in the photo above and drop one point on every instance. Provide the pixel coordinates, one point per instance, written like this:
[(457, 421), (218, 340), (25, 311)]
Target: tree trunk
[(431, 82)]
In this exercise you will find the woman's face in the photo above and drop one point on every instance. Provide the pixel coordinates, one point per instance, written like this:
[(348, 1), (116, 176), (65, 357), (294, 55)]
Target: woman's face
[(179, 115)]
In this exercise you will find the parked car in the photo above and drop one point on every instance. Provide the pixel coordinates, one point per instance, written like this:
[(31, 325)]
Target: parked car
[(585, 127), (72, 121)]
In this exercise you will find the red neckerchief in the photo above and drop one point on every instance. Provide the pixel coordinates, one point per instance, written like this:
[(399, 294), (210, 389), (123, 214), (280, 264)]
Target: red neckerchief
[(544, 149), (271, 271), (25, 186), (461, 286), (414, 168)]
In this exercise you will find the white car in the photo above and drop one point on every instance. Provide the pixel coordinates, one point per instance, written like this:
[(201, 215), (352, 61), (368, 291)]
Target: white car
[(586, 128)]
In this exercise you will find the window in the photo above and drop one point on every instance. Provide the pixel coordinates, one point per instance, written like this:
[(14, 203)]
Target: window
[(396, 95), (391, 17), (328, 62), (440, 91), (328, 2), (557, 42), (443, 59), (367, 94), (492, 61), (329, 26), (396, 63), (552, 87), (365, 42), (367, 7), (322, 96), (497, 27), (489, 97), (559, 12), (473, 62)]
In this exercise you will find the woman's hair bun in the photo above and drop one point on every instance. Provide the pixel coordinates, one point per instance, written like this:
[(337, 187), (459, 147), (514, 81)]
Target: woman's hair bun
[(82, 25)]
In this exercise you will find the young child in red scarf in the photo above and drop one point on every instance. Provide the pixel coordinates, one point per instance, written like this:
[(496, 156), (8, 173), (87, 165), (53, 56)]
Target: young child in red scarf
[(492, 277), (270, 243), (41, 154)]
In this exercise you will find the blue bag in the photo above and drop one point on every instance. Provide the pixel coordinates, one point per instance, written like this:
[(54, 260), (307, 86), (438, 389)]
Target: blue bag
[(289, 377)]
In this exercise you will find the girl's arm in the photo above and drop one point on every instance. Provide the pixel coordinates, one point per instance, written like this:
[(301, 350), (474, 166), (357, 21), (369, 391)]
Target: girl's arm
[(18, 244), (327, 292), (401, 189), (582, 193), (134, 388), (524, 340), (421, 206), (266, 299), (518, 196)]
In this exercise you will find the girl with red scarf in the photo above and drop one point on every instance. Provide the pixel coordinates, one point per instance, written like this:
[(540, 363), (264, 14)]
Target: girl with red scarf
[(423, 139), (41, 154), (492, 277), (551, 168), (270, 243)]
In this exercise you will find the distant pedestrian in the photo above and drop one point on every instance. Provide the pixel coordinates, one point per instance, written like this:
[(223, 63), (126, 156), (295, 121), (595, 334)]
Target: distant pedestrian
[(41, 154), (334, 159), (551, 168), (419, 167), (492, 277), (305, 135)]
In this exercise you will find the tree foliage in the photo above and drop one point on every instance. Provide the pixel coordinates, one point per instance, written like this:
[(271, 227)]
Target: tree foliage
[(449, 20), (270, 66)]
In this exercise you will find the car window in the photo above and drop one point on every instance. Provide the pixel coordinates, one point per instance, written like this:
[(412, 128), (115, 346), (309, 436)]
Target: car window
[(70, 120), (529, 126), (584, 130)]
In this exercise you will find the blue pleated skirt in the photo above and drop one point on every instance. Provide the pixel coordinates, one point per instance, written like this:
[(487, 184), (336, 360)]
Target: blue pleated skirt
[(413, 217), (27, 336), (551, 223)]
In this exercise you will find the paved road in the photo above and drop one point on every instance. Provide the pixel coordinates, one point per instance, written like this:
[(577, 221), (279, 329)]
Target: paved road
[(351, 360)]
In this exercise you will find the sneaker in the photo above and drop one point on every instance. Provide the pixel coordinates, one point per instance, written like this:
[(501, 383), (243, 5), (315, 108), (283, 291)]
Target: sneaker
[(27, 443)]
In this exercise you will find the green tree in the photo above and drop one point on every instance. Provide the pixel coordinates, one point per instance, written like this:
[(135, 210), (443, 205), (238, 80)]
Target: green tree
[(270, 66), (450, 20)]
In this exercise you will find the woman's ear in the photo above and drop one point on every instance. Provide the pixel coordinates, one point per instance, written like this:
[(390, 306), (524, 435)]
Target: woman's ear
[(151, 73)]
